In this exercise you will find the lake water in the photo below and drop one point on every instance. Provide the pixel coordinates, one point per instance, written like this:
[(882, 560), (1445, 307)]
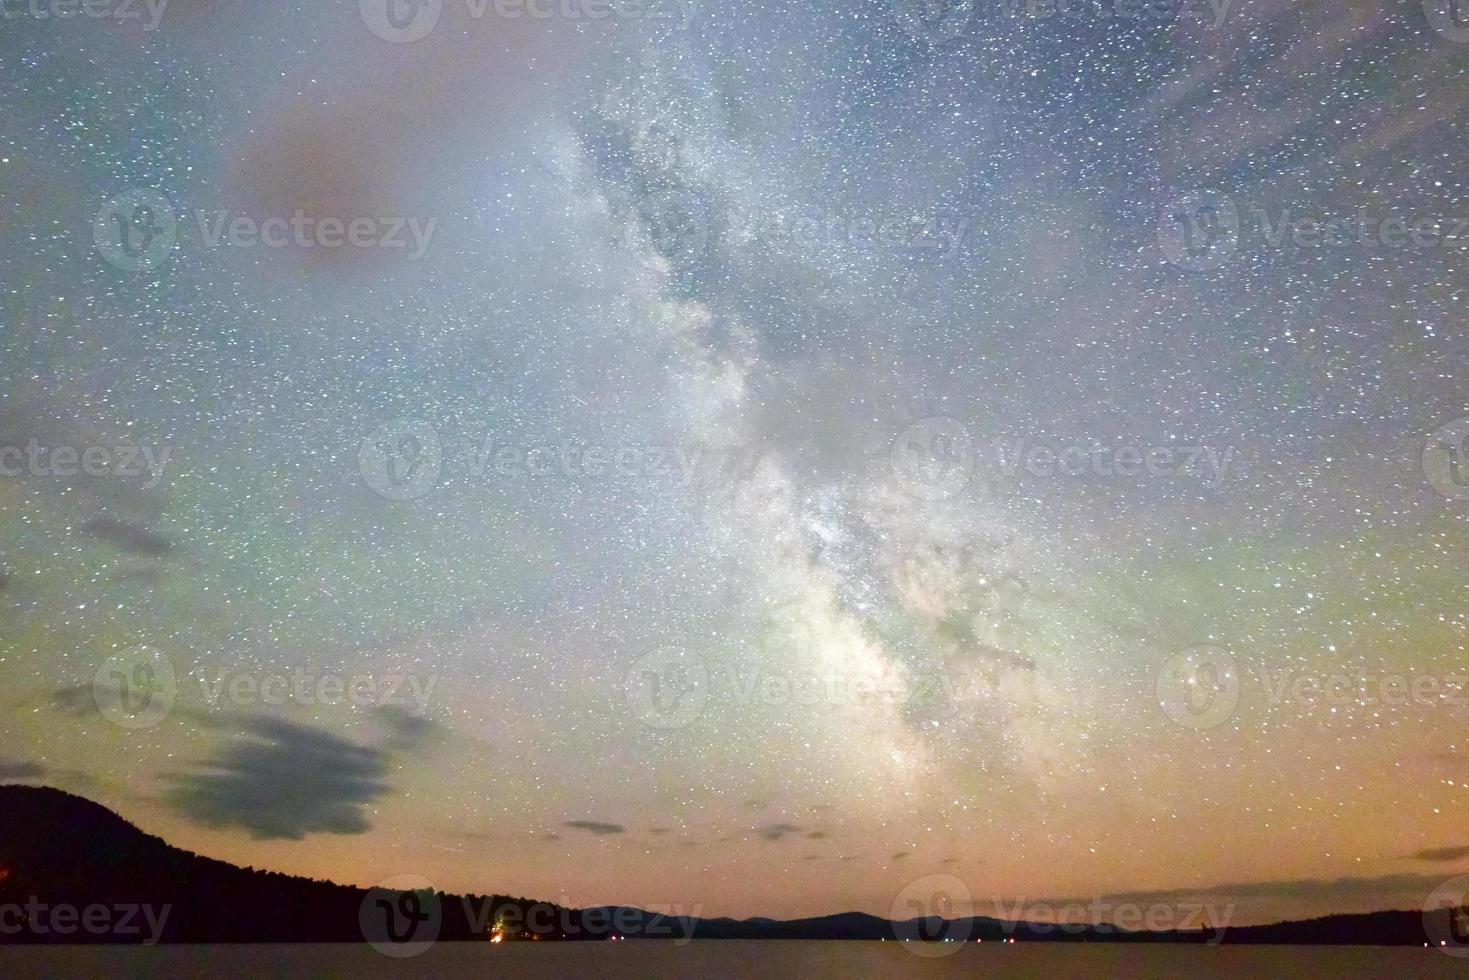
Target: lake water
[(732, 960)]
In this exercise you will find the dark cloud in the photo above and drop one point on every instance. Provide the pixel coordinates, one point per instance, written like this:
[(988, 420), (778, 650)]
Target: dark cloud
[(658, 830), (404, 730), (20, 770), (778, 830), (284, 781), (817, 835), (1441, 853), (129, 536), (597, 827), (900, 855)]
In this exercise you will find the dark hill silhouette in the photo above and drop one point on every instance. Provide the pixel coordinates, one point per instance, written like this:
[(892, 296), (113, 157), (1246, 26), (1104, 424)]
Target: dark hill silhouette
[(60, 848), (57, 848)]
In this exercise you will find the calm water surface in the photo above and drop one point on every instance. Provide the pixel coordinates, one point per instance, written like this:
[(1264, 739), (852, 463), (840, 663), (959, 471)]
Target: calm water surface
[(732, 960)]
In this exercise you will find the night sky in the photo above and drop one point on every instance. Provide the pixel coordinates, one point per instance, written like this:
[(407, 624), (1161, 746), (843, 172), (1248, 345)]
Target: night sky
[(746, 457)]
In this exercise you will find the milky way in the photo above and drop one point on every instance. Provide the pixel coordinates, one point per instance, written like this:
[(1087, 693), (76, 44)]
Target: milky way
[(748, 458)]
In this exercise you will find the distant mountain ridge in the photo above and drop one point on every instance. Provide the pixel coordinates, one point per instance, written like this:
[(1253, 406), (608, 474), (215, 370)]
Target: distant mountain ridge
[(60, 849)]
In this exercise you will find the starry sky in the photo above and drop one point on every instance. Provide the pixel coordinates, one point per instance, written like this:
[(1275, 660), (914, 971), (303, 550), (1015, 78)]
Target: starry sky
[(754, 457)]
